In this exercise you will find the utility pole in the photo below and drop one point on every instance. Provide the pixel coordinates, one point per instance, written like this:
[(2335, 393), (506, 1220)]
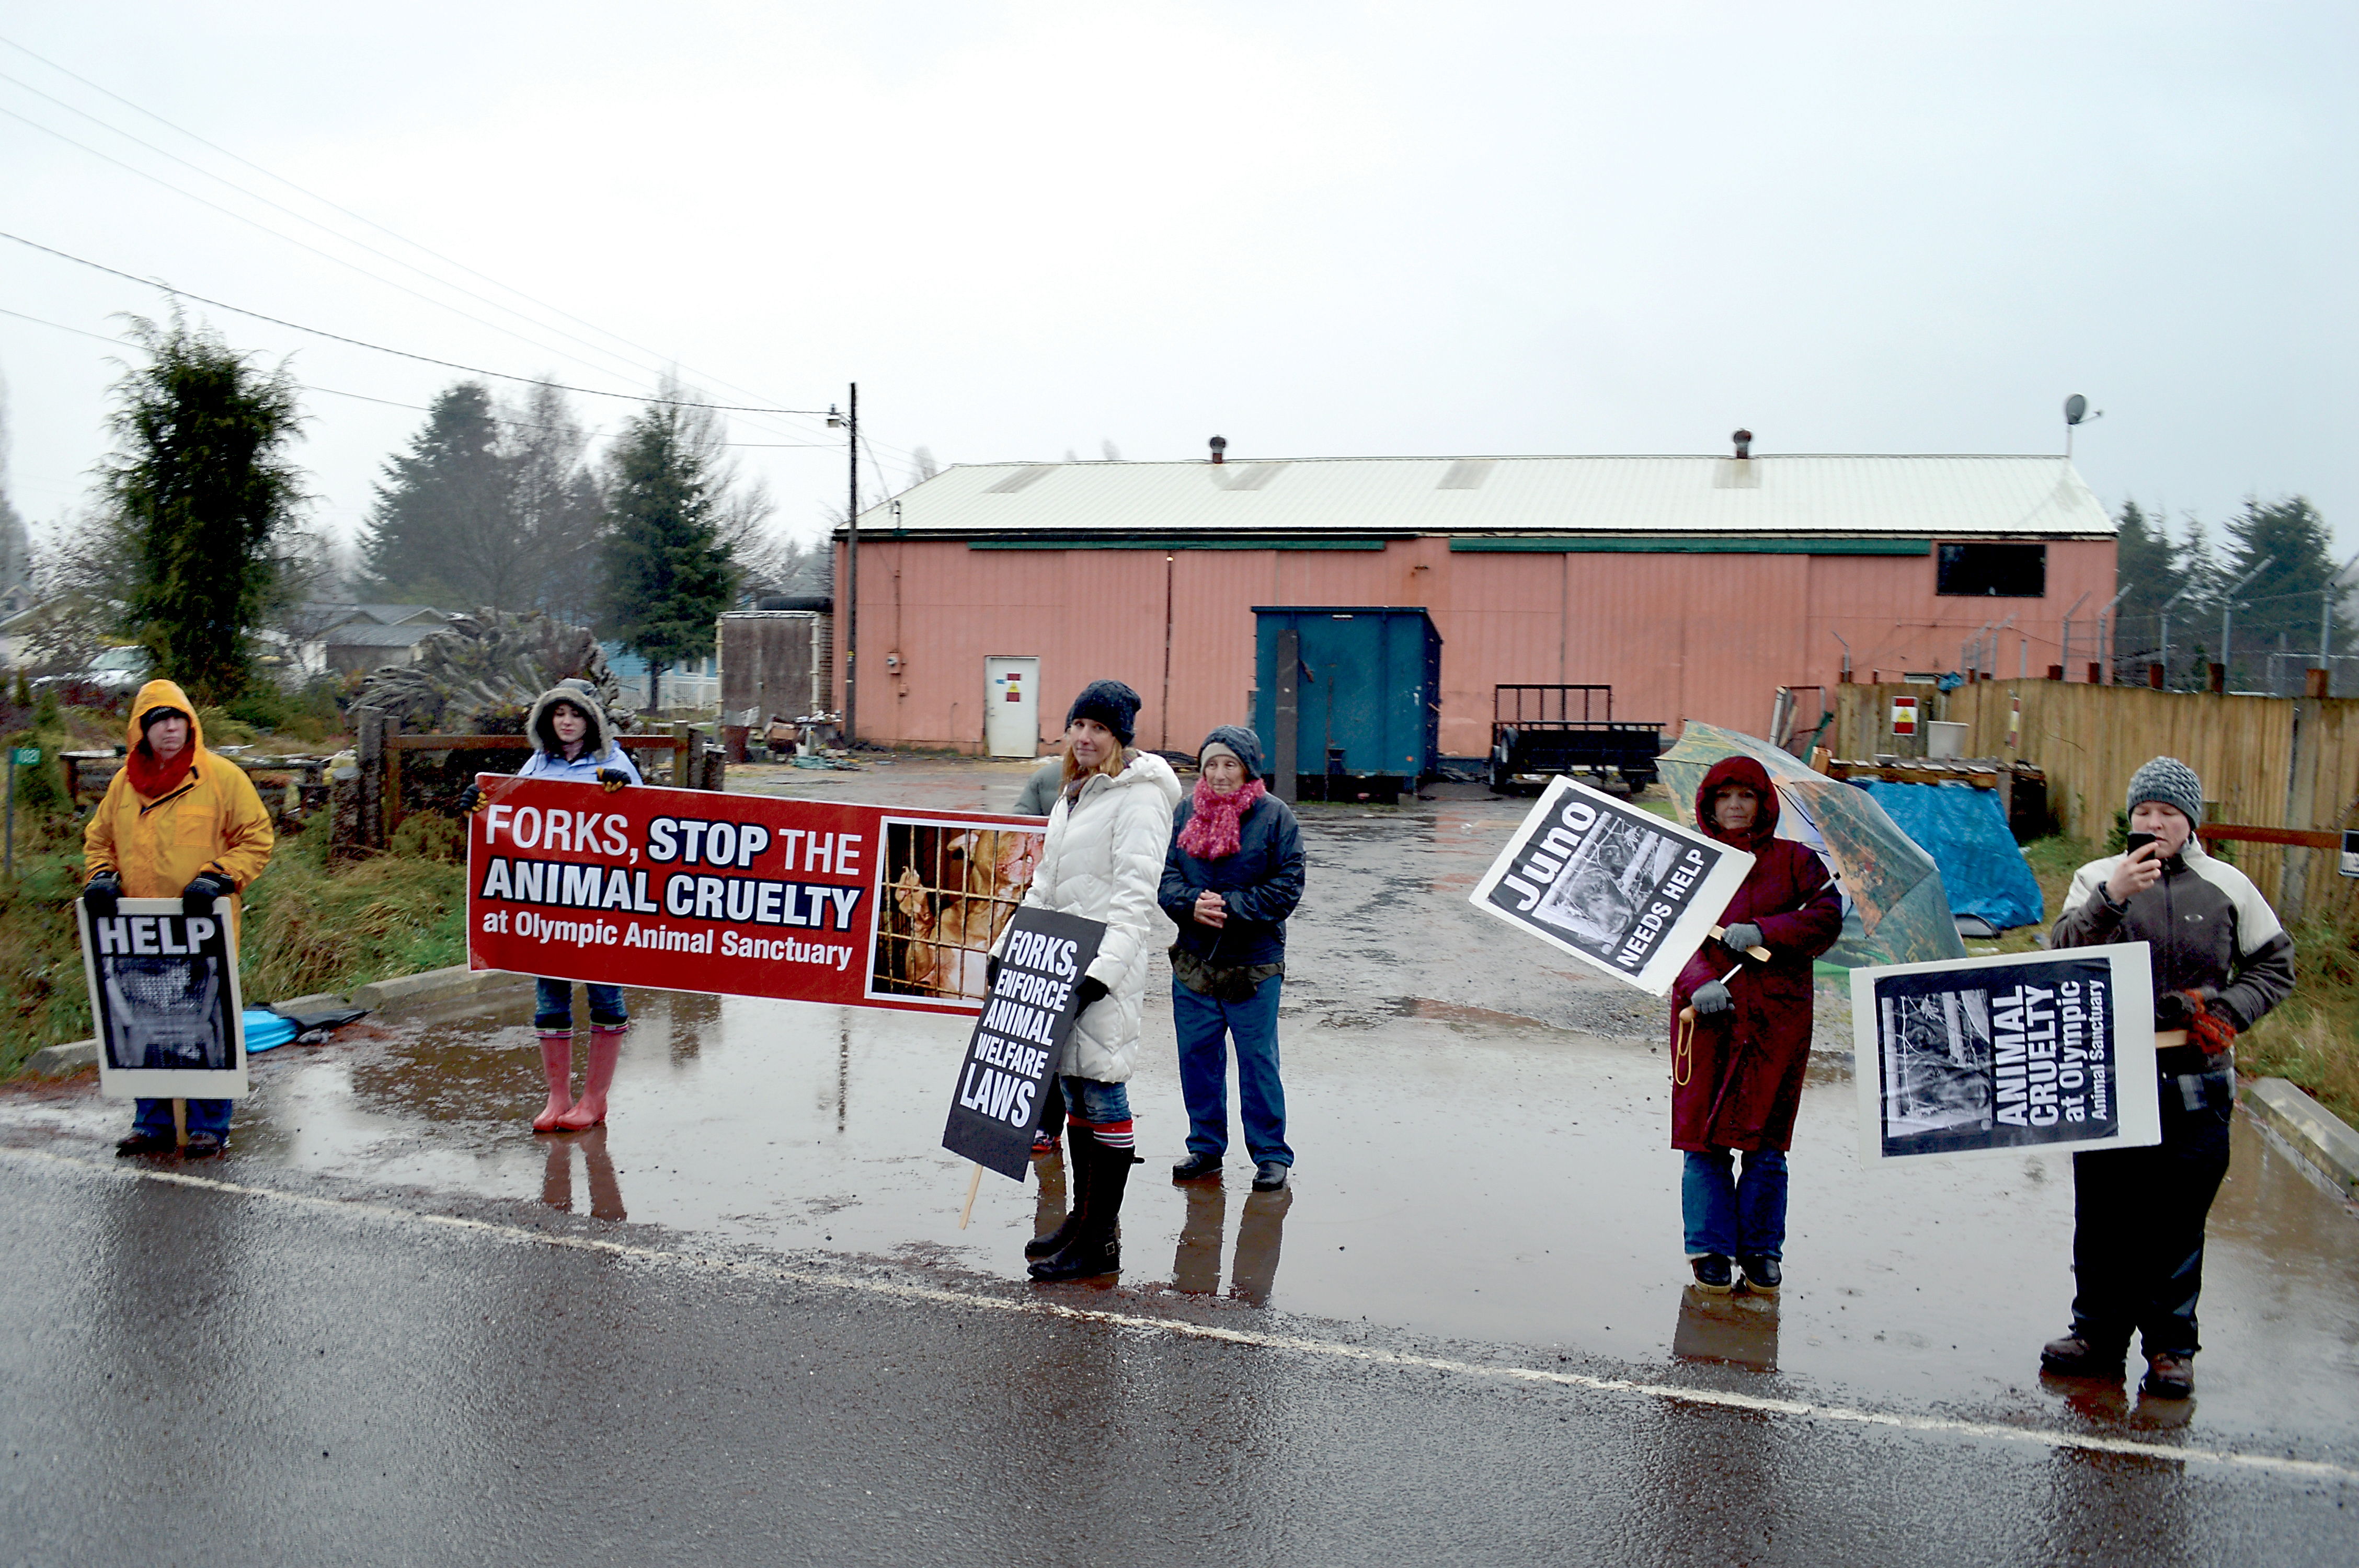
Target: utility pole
[(850, 424)]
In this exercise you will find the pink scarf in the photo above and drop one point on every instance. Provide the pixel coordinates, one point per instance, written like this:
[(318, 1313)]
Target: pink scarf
[(1212, 830)]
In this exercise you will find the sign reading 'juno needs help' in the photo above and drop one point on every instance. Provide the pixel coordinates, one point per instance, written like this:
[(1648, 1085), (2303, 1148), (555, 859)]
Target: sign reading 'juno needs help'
[(740, 895)]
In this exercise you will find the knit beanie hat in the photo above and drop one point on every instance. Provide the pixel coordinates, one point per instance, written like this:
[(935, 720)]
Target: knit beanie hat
[(1109, 702), (2171, 782), (1237, 741)]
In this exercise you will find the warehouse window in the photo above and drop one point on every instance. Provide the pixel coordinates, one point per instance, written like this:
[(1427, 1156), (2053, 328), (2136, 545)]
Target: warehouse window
[(1994, 571)]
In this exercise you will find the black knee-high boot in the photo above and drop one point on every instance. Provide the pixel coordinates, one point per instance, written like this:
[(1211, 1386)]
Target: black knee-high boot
[(1096, 1247), (1077, 1187)]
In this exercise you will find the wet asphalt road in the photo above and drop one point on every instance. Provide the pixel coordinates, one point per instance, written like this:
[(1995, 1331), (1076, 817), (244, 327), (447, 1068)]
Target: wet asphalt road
[(520, 1349), (200, 1376)]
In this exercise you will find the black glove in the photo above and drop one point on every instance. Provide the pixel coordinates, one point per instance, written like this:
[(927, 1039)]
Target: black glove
[(1089, 991), (471, 799), (100, 894), (1709, 998), (991, 974), (198, 897), (2170, 1010), (1742, 936), (613, 779)]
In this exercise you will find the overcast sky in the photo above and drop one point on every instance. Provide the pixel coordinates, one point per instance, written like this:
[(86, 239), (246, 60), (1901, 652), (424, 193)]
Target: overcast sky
[(1317, 229)]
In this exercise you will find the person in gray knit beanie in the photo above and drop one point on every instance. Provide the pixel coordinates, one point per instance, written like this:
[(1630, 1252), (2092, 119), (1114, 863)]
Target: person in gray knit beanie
[(2220, 961), (2171, 782)]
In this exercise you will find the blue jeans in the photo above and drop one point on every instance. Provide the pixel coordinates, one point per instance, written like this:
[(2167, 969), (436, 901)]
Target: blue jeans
[(1095, 1101), (155, 1116), (1205, 1025), (1743, 1218), (552, 1004)]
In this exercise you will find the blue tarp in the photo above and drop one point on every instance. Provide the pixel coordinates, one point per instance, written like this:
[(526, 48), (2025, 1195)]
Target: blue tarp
[(266, 1030), (1982, 871)]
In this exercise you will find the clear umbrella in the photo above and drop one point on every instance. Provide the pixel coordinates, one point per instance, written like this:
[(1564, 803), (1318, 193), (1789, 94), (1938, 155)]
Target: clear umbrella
[(1896, 909)]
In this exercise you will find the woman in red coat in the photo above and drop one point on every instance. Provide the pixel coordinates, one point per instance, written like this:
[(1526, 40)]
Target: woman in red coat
[(1737, 1072)]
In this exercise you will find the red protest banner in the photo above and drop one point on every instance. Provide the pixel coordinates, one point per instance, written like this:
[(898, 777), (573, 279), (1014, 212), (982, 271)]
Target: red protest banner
[(742, 894)]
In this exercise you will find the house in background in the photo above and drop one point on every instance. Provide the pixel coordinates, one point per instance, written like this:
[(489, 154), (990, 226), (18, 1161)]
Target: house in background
[(346, 638), (1694, 585), (693, 686)]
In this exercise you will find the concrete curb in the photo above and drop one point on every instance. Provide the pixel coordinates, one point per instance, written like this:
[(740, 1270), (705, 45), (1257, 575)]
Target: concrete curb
[(56, 1061), (2318, 1138), (433, 986)]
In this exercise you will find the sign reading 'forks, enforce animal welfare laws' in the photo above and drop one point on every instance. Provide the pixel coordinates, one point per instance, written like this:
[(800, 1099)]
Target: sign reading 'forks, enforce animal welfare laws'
[(742, 894)]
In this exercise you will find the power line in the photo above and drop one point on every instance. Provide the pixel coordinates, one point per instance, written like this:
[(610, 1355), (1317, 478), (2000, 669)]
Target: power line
[(301, 218), (356, 217), (395, 403), (290, 239), (380, 348)]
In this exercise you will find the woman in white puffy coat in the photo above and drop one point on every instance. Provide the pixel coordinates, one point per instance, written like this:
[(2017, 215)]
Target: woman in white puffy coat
[(1102, 860)]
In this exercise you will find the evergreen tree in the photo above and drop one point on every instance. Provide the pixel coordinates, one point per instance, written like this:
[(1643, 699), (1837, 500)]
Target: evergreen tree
[(554, 506), (2146, 568), (438, 531), (668, 560), (2191, 650), (201, 485), (2285, 599)]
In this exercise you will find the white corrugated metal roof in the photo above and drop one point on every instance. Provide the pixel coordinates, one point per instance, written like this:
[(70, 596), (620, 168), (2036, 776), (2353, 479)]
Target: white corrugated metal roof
[(1903, 497)]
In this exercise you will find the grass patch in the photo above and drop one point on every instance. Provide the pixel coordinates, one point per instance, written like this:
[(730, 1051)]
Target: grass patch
[(2313, 1039), (306, 929)]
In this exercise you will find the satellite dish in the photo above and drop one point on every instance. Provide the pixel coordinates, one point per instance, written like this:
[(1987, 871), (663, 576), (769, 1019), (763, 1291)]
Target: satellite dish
[(2076, 408)]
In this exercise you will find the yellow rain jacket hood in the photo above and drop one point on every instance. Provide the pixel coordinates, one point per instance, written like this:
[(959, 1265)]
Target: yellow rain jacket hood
[(211, 820)]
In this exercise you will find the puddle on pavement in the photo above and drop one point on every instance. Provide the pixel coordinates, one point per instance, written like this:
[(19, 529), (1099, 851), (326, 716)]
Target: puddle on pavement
[(1467, 1167)]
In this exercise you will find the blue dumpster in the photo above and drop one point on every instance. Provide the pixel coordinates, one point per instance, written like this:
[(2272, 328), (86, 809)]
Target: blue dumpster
[(1366, 698)]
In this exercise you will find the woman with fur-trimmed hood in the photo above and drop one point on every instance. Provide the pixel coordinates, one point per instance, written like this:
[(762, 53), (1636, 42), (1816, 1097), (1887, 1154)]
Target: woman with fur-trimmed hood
[(572, 742)]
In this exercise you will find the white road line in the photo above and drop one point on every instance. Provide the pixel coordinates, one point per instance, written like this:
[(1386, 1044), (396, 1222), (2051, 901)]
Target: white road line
[(1333, 1350)]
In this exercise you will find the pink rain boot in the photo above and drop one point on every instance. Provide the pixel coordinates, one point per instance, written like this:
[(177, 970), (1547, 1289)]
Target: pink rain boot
[(557, 1063), (606, 1045)]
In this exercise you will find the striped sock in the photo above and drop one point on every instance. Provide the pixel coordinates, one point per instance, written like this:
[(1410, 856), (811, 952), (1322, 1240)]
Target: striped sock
[(1112, 1134)]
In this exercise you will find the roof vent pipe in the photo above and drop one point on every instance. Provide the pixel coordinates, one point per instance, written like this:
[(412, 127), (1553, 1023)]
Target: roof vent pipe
[(1743, 439), (1220, 445)]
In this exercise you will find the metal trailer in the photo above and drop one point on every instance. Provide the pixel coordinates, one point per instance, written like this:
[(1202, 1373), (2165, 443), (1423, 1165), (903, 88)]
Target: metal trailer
[(777, 660), (1347, 700), (1533, 732)]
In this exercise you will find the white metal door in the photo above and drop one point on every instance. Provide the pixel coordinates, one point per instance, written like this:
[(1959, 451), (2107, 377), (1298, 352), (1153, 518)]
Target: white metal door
[(1011, 705)]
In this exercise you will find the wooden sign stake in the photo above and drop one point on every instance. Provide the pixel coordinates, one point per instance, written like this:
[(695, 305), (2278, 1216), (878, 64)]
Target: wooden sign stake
[(973, 1183), (180, 1123)]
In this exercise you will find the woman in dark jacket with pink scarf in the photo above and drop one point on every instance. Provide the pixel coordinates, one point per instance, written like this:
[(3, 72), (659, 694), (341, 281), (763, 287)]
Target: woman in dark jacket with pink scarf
[(1737, 1072), (1232, 877)]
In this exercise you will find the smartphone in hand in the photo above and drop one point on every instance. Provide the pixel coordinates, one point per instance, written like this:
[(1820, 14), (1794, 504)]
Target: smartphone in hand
[(2139, 842)]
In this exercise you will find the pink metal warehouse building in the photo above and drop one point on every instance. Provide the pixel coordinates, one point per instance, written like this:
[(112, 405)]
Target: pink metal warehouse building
[(1694, 585)]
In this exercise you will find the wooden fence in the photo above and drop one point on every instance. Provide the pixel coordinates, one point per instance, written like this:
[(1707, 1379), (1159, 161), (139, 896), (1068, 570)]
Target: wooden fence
[(2265, 761), (379, 746)]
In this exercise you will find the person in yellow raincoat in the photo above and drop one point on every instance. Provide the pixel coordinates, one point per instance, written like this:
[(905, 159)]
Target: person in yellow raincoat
[(178, 822)]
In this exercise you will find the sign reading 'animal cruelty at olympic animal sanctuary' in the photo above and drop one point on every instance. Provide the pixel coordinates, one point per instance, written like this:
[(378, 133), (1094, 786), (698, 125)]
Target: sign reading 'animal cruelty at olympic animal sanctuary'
[(1625, 891), (1994, 1055), (1024, 1025), (164, 1000), (742, 894)]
